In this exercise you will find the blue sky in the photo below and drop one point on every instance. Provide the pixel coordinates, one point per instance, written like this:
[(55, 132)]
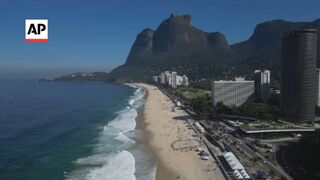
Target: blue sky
[(96, 35)]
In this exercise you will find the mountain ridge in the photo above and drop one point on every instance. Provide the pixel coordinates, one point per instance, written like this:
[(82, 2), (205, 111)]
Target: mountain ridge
[(175, 36), (176, 45)]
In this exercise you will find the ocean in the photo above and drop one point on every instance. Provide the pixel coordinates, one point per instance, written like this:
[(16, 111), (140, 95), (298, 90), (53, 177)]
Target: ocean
[(71, 130)]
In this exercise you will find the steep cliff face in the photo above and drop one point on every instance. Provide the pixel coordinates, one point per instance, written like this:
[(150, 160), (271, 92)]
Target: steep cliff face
[(176, 45), (175, 37), (142, 47)]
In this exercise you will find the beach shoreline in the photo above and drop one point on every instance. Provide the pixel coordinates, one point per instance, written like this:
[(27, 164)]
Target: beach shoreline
[(162, 171), (162, 130)]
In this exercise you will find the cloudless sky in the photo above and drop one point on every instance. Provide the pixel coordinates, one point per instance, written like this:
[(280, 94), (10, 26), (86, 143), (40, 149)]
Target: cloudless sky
[(96, 35)]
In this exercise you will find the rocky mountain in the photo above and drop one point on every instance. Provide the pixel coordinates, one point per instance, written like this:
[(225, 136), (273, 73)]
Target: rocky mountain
[(176, 45), (263, 48), (174, 37)]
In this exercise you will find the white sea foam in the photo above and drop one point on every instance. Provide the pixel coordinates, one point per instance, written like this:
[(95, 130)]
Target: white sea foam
[(111, 159), (125, 120), (137, 100), (101, 166), (131, 85), (120, 166)]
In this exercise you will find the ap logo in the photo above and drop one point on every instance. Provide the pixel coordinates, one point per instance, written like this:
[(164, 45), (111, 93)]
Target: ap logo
[(36, 30)]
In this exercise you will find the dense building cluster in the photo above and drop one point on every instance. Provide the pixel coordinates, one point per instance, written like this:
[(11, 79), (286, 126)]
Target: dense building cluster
[(300, 80), (171, 79)]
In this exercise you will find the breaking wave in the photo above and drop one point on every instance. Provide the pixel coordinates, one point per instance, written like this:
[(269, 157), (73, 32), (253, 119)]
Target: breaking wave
[(116, 156)]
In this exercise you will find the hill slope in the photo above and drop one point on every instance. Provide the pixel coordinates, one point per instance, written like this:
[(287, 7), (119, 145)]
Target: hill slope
[(177, 45), (263, 48)]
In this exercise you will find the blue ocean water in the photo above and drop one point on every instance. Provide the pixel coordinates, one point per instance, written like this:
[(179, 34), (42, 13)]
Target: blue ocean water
[(70, 131)]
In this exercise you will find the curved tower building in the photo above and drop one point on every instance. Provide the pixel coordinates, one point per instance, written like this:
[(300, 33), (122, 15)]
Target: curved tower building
[(298, 75)]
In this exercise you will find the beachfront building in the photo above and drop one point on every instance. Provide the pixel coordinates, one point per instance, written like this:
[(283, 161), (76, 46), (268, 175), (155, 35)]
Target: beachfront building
[(168, 78), (231, 92), (185, 80), (262, 83), (172, 79), (163, 78), (155, 79), (179, 80)]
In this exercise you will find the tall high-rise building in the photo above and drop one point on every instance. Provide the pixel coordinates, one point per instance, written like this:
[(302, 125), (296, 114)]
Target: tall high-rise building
[(185, 80), (318, 87), (298, 75), (262, 83), (179, 80), (231, 92), (168, 78), (174, 79), (163, 78)]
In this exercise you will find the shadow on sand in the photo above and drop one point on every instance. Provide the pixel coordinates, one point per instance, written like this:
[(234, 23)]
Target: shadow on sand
[(183, 118)]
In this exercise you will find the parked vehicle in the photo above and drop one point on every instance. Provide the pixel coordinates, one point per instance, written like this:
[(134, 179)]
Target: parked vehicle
[(204, 158)]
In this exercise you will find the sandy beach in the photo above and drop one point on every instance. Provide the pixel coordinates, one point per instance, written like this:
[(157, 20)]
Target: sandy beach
[(172, 142)]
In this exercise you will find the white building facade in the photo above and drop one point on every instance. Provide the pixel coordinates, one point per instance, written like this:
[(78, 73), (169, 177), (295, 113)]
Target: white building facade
[(172, 79), (231, 92), (262, 83), (185, 80), (163, 78), (155, 79), (168, 78)]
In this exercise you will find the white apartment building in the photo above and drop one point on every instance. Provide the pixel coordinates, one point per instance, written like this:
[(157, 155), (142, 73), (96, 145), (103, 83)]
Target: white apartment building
[(174, 79), (185, 80), (168, 78), (179, 80), (163, 78), (262, 83), (231, 92)]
